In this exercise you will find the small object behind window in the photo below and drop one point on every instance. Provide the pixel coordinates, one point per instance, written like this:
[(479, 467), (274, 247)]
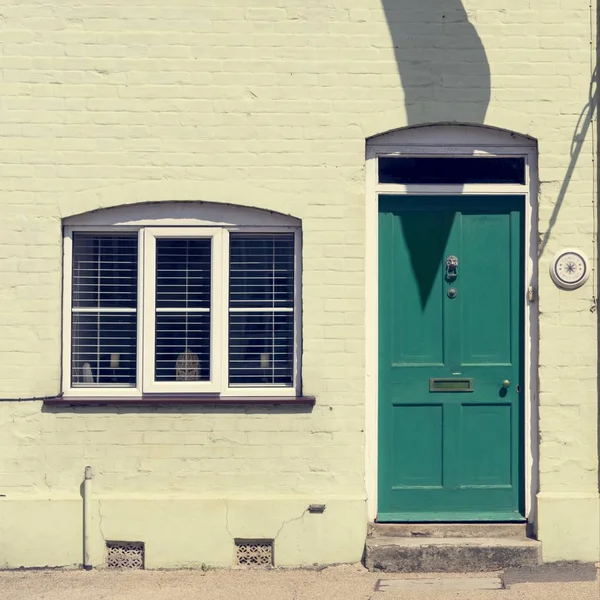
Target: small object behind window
[(187, 366), (87, 373)]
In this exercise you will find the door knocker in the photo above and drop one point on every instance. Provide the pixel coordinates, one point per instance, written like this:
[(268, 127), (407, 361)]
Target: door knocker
[(451, 268)]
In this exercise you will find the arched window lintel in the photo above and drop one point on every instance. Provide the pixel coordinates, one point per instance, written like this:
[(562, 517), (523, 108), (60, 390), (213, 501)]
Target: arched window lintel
[(452, 134), (182, 213)]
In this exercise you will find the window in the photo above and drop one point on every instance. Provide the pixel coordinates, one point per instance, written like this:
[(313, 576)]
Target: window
[(174, 310), (261, 310), (104, 309)]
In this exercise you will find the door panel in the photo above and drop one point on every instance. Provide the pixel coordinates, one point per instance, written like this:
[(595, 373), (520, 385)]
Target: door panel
[(486, 425), (419, 334), (486, 330), (449, 432), (418, 441)]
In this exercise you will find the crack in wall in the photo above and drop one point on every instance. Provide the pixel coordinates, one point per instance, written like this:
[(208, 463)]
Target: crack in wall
[(100, 521), (288, 522), (227, 520), (284, 524)]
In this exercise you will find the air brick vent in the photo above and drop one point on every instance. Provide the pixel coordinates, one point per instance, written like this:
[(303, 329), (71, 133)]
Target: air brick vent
[(125, 555), (254, 553)]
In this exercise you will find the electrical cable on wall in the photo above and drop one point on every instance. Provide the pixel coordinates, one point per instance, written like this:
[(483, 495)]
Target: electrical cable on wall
[(32, 398)]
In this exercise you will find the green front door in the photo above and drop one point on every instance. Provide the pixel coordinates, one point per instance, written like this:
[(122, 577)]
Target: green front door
[(450, 358)]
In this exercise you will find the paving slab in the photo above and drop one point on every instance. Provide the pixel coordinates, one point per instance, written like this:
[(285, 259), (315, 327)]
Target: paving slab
[(440, 583), (346, 582), (552, 573)]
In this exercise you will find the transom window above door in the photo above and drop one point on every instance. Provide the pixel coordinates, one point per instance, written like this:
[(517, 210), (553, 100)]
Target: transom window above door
[(181, 310)]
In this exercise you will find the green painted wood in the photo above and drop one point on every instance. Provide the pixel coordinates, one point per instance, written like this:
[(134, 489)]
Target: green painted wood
[(449, 517), (450, 455)]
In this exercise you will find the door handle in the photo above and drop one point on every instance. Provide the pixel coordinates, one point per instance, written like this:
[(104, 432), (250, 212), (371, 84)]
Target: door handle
[(506, 384)]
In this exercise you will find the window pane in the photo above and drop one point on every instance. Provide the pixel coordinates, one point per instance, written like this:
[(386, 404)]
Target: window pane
[(182, 346), (104, 310), (105, 270), (261, 271), (261, 349), (451, 170), (103, 351), (183, 273), (261, 309), (183, 317)]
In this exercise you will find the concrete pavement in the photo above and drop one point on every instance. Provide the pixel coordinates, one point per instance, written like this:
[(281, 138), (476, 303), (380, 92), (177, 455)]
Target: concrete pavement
[(347, 582)]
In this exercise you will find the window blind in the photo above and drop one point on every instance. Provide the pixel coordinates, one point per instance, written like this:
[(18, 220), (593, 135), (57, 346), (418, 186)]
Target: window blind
[(183, 309), (104, 310), (261, 309)]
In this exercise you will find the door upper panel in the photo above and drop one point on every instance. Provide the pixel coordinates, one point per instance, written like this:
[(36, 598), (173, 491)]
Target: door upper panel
[(486, 315), (419, 240)]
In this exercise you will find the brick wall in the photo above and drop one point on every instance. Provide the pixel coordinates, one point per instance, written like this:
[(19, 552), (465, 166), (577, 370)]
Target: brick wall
[(268, 105)]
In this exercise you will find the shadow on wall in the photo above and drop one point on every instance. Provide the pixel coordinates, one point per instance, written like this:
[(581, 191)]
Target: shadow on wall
[(441, 60), (582, 129)]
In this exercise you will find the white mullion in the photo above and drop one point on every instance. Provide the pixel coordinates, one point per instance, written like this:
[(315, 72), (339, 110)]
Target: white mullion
[(149, 306), (67, 307), (182, 310), (84, 309), (280, 309), (440, 189), (216, 311), (297, 341), (262, 229), (466, 150), (225, 257), (141, 316)]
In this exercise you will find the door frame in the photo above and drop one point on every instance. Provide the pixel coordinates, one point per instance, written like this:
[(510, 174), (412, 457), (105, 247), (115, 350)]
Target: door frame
[(450, 141)]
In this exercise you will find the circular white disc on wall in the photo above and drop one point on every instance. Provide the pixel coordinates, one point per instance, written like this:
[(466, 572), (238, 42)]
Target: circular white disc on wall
[(569, 269)]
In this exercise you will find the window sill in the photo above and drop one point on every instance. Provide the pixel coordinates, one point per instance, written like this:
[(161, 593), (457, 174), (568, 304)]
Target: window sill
[(178, 399)]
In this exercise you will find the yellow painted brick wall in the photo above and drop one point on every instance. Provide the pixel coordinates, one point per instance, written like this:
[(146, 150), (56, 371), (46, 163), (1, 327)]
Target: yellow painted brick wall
[(268, 104)]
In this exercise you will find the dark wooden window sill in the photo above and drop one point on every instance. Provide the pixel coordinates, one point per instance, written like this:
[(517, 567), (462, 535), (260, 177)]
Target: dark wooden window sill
[(178, 399)]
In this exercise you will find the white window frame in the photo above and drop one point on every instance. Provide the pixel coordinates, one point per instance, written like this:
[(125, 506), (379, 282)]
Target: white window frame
[(273, 390), (219, 367), (149, 384), (100, 391)]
